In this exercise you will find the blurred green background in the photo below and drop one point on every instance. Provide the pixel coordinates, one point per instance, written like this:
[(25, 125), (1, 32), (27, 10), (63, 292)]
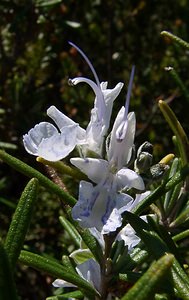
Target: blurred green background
[(35, 64)]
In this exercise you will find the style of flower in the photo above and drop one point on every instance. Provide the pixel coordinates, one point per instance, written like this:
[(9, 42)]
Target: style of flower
[(54, 143)]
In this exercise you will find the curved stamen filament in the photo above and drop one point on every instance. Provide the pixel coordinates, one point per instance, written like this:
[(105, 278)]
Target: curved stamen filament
[(127, 102), (88, 62), (100, 97)]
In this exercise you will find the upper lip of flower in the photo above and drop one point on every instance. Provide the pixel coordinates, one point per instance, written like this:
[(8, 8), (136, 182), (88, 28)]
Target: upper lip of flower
[(91, 139)]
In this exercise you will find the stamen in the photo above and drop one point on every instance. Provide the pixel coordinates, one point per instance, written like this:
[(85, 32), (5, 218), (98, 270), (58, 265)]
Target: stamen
[(98, 92), (122, 129), (127, 102), (100, 97), (88, 62)]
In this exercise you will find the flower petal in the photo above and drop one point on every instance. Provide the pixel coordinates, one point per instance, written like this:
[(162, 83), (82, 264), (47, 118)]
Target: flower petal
[(62, 283), (59, 145), (90, 207), (122, 139), (90, 271), (61, 120), (109, 96), (128, 235), (111, 221), (139, 198), (36, 135), (127, 178), (95, 169)]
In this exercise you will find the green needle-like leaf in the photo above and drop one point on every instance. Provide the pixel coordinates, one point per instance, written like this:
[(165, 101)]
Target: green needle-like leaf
[(161, 190), (31, 172), (20, 221), (173, 169), (91, 242), (56, 270), (158, 248), (175, 38), (71, 295), (146, 286), (177, 129), (71, 230), (133, 259), (7, 286)]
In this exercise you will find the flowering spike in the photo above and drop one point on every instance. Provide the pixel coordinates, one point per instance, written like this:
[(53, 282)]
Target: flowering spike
[(88, 62), (129, 91)]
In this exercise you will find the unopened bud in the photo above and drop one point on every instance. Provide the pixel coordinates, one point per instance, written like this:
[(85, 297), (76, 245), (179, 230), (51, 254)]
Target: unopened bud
[(158, 171), (143, 162)]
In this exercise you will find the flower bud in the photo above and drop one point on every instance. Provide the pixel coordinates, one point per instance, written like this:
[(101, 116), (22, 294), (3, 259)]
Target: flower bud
[(158, 171)]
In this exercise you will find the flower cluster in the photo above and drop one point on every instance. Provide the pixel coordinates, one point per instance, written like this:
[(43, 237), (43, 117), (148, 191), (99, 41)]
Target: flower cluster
[(105, 196)]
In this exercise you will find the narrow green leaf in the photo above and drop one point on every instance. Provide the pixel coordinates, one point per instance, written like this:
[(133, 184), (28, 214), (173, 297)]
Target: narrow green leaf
[(133, 259), (56, 270), (175, 38), (146, 286), (181, 281), (130, 276), (161, 190), (165, 236), (30, 172), (181, 235), (173, 169), (175, 192), (7, 286), (67, 263), (4, 145), (182, 218), (72, 231), (91, 242), (45, 3), (71, 295), (179, 82), (8, 203), (151, 239), (158, 248), (161, 297), (20, 221), (177, 129)]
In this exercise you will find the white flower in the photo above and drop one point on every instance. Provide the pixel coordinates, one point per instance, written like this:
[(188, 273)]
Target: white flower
[(89, 270), (100, 206), (113, 172), (53, 144)]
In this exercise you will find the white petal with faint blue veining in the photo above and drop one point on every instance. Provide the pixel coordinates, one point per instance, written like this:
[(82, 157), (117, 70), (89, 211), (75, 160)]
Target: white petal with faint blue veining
[(90, 271), (127, 178), (122, 139), (95, 169), (59, 145), (36, 135)]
